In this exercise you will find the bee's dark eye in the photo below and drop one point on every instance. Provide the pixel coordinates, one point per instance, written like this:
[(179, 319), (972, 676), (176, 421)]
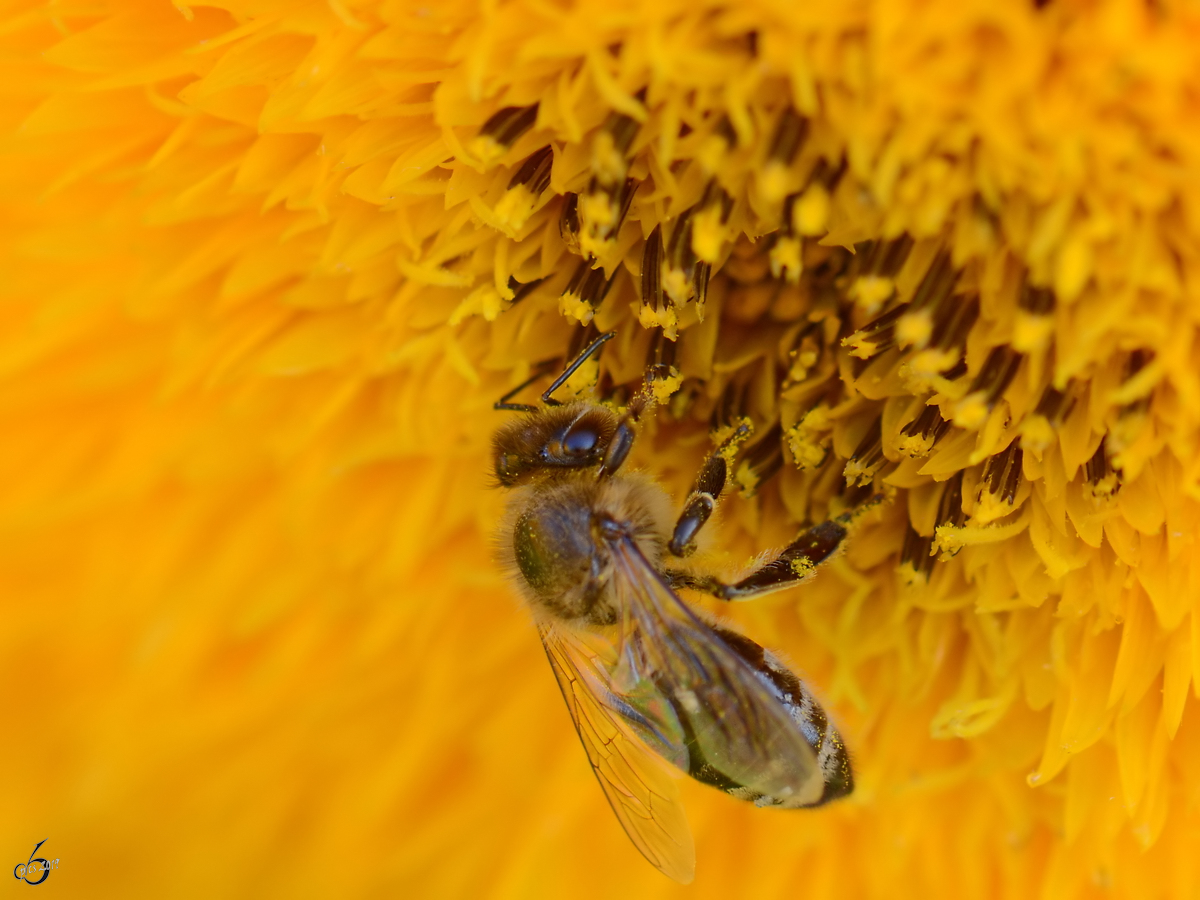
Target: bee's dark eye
[(580, 440)]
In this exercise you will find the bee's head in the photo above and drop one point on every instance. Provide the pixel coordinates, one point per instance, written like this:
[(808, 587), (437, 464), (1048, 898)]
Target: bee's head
[(550, 440)]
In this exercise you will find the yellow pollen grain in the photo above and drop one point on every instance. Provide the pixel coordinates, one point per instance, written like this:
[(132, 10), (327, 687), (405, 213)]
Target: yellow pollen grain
[(575, 307), (806, 442), (598, 210), (915, 445), (1074, 268), (708, 234), (664, 318), (785, 260), (486, 149), (712, 152), (664, 388), (513, 209), (774, 181), (861, 346), (870, 291), (802, 568), (677, 285), (810, 215), (914, 329), (971, 411), (484, 301), (1031, 333), (1036, 433), (746, 481), (608, 162)]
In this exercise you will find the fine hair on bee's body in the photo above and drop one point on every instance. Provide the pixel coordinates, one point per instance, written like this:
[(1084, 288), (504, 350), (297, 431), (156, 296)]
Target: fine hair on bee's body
[(599, 554), (559, 567)]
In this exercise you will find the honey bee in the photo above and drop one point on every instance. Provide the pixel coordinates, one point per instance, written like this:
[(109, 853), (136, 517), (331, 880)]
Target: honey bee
[(599, 556)]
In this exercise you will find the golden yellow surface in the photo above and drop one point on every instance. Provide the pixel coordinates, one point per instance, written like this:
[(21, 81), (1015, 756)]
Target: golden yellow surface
[(254, 311)]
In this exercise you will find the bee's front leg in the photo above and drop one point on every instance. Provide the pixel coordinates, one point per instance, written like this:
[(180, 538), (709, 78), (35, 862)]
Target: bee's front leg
[(621, 442)]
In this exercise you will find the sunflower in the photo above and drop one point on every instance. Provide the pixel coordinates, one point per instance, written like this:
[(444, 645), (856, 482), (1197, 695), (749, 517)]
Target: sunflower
[(269, 265)]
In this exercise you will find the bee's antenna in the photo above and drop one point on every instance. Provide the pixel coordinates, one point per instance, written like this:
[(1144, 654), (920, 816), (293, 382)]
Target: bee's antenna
[(504, 406), (503, 403), (578, 361)]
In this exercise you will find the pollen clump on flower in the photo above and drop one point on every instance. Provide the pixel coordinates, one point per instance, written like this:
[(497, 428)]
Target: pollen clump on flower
[(268, 267)]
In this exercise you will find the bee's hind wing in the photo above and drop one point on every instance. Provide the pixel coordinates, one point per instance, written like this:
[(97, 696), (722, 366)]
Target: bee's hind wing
[(638, 786)]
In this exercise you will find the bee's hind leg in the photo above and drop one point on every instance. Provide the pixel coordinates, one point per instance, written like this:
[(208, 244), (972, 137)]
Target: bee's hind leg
[(706, 491), (794, 564)]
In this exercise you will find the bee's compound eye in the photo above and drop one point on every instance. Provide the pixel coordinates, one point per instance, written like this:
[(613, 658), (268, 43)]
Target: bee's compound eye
[(580, 440)]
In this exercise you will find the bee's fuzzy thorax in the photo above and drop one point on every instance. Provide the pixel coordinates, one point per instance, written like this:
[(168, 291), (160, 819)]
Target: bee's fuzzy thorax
[(547, 546)]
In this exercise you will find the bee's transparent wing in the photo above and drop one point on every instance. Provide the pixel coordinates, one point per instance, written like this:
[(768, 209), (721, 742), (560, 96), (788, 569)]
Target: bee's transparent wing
[(734, 722), (639, 788)]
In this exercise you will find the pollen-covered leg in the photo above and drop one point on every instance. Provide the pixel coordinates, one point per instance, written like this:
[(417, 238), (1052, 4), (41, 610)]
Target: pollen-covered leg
[(795, 563), (622, 440), (706, 491)]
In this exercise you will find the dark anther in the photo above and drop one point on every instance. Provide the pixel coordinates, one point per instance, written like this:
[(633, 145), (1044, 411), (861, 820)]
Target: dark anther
[(876, 336), (652, 269), (568, 222), (997, 373), (1036, 300), (508, 124), (868, 456), (679, 248), (1103, 479), (950, 511), (1137, 361), (589, 285), (828, 175), (583, 336), (761, 461), (888, 256), (1055, 405), (687, 277), (521, 291), (916, 553), (924, 431), (789, 135), (729, 408), (1002, 473), (952, 330), (662, 352), (724, 130), (937, 284), (534, 172), (956, 371)]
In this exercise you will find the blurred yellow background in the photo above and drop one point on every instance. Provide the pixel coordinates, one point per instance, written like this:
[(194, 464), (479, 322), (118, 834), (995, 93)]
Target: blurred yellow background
[(254, 642)]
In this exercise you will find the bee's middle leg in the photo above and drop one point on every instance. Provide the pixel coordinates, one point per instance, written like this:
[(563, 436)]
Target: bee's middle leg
[(706, 491)]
